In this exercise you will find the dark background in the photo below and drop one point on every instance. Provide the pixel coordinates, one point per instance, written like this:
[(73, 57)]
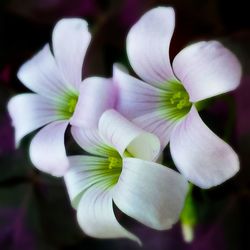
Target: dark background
[(35, 212)]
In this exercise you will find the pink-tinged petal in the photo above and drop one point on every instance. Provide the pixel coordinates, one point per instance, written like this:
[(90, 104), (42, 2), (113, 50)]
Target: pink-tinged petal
[(71, 39), (97, 94), (200, 155), (29, 112), (42, 75), (96, 217), (150, 187), (124, 135), (135, 97), (148, 45), (91, 141), (155, 123), (47, 150), (207, 69)]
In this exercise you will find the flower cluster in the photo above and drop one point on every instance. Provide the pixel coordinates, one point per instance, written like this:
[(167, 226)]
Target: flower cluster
[(124, 123)]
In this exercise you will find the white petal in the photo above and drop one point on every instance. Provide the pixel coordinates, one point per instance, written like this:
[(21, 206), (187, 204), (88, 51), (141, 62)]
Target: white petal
[(150, 193), (85, 171), (207, 69), (47, 150), (200, 155), (135, 97), (91, 141), (124, 135), (155, 123), (71, 39), (42, 75), (148, 45), (96, 216), (29, 112), (97, 94)]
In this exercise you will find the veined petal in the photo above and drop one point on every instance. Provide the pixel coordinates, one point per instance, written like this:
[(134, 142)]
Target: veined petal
[(85, 171), (124, 135), (207, 69), (97, 94), (91, 141), (41, 75), (96, 216), (71, 39), (135, 97), (148, 45), (153, 188), (155, 123), (200, 155), (47, 150), (29, 112)]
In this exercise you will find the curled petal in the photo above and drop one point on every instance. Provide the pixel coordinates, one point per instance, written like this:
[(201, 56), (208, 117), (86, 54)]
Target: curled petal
[(29, 112), (200, 155), (124, 135), (96, 216), (148, 45), (71, 39), (207, 69), (47, 150), (150, 187), (97, 94), (91, 141)]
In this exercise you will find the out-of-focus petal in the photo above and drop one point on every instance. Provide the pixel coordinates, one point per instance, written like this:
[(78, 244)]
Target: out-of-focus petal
[(150, 187), (92, 142), (42, 75), (148, 45), (135, 97), (124, 135), (71, 39), (96, 216), (47, 149), (200, 155), (29, 112), (207, 69), (97, 94)]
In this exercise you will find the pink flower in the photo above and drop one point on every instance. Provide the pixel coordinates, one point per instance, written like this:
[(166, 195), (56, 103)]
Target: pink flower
[(165, 102)]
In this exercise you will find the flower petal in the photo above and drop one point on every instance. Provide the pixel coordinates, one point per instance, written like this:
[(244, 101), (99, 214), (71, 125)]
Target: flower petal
[(47, 150), (96, 217), (71, 39), (97, 94), (92, 142), (135, 97), (148, 45), (207, 69), (200, 155), (155, 123), (85, 171), (124, 135), (150, 187), (42, 75), (29, 112)]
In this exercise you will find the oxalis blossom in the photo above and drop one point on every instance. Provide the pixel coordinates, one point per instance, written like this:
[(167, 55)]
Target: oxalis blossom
[(60, 98), (164, 103), (120, 169)]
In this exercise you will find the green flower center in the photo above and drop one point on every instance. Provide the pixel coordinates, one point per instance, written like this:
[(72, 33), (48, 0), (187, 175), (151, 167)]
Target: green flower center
[(174, 102), (66, 105), (114, 162)]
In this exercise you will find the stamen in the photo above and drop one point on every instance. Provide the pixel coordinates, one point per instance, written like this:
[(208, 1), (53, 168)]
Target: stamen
[(114, 162)]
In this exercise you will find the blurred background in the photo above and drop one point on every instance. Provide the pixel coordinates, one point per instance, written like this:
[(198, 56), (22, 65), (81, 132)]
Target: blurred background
[(35, 211)]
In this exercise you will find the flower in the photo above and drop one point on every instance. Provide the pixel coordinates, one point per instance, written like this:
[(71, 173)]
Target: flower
[(57, 82), (122, 171), (165, 104)]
